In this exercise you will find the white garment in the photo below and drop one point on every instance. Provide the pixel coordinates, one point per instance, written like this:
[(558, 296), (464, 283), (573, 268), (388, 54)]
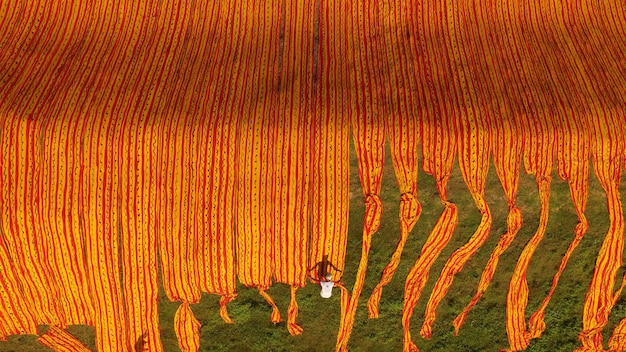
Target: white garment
[(327, 288)]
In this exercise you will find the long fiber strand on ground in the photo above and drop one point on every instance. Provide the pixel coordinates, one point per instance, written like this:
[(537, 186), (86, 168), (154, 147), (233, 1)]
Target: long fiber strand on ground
[(549, 96), (402, 127), (503, 99), (292, 151), (539, 156), (256, 102), (178, 237), (15, 314), (369, 139), (219, 129), (368, 132), (507, 149), (607, 152), (61, 341), (330, 154), (439, 149), (473, 129)]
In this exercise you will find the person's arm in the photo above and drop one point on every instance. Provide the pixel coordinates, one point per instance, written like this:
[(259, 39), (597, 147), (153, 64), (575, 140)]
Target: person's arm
[(334, 267)]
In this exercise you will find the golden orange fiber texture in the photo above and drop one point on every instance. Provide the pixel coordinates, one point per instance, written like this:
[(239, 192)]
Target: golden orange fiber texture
[(538, 160), (362, 53), (61, 341), (256, 236), (439, 146), (506, 146), (439, 150), (473, 152), (178, 206), (473, 129), (330, 147), (330, 143), (402, 129), (209, 139), (369, 144), (292, 150), (573, 151), (608, 145), (403, 137)]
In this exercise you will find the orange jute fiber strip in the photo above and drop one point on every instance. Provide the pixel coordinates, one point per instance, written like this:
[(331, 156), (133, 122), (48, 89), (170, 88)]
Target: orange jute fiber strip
[(15, 317), (196, 255), (185, 148), (439, 149), (256, 102), (291, 151), (178, 235), (601, 78), (369, 137), (15, 314), (134, 161), (55, 80), (61, 341), (133, 151), (538, 161), (60, 218), (473, 152), (142, 185), (402, 126), (617, 342), (616, 25), (368, 132), (330, 154), (103, 252), (38, 149), (548, 96), (572, 153), (216, 201), (64, 100), (116, 166), (573, 148), (21, 228), (220, 62), (187, 328), (573, 145), (28, 241), (59, 210), (607, 151), (217, 155), (473, 129), (591, 79), (57, 243), (506, 147), (501, 94), (69, 219), (100, 225), (403, 137), (190, 250), (60, 215)]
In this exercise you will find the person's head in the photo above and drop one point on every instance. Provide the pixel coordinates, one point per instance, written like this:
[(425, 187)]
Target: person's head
[(329, 277)]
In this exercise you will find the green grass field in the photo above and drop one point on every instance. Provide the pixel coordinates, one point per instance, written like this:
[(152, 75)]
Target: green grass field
[(484, 329)]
